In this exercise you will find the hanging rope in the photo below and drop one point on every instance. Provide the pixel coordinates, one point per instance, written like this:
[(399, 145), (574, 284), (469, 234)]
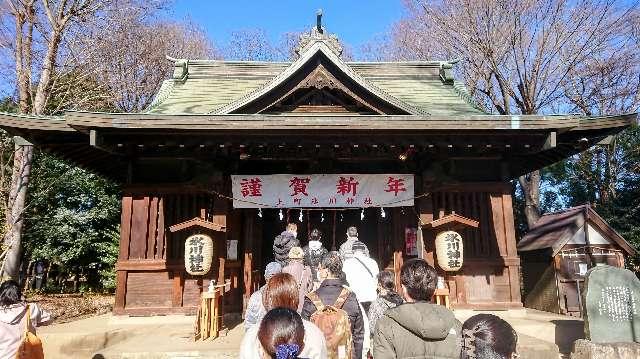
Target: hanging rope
[(264, 205)]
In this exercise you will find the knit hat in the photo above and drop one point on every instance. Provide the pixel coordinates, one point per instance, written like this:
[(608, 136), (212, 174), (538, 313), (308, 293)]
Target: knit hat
[(359, 246), (272, 269), (296, 253)]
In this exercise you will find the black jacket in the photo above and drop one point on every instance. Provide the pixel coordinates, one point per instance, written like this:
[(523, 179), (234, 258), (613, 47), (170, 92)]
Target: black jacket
[(328, 292), (281, 246), (312, 258)]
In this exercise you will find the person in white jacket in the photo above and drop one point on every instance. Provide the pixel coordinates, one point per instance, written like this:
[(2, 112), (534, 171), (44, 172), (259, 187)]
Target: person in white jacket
[(346, 248), (13, 318), (361, 273)]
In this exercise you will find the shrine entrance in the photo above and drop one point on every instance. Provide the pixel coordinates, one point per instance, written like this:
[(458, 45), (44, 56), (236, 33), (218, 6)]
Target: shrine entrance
[(374, 230)]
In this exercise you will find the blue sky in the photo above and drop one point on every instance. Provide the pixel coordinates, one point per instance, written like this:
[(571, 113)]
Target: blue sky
[(354, 21)]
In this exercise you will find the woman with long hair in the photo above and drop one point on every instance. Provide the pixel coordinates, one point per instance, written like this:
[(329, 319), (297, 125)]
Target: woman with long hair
[(387, 298), (281, 291), (13, 318)]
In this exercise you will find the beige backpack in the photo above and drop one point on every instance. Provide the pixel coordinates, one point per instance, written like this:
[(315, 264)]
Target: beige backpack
[(334, 323)]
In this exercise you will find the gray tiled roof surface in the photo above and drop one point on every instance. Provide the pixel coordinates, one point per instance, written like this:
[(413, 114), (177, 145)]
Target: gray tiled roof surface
[(210, 85)]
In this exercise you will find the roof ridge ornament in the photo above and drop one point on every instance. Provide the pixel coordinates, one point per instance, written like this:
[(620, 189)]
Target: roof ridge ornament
[(446, 73), (318, 34)]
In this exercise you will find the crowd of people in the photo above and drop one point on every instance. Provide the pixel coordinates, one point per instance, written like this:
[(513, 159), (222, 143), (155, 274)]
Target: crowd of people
[(320, 304), (337, 304)]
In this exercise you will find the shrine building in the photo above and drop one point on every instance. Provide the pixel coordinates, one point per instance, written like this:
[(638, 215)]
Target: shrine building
[(235, 150)]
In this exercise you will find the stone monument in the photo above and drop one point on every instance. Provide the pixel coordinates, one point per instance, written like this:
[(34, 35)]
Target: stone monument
[(611, 308)]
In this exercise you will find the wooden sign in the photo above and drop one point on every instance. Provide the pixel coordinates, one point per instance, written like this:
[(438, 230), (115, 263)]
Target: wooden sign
[(449, 250), (198, 254)]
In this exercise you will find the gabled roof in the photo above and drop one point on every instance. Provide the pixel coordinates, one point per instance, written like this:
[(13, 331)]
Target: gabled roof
[(220, 87), (554, 230)]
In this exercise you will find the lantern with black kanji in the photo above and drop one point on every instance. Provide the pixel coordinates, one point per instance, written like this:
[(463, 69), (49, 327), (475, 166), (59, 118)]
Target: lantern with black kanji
[(198, 254), (449, 250), (448, 244)]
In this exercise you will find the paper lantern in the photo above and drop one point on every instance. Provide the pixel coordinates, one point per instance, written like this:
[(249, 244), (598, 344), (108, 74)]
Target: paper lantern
[(198, 254), (449, 250)]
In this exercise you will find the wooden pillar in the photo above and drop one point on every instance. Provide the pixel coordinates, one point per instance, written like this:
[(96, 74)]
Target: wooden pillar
[(398, 261), (513, 261), (123, 255), (178, 289), (425, 207)]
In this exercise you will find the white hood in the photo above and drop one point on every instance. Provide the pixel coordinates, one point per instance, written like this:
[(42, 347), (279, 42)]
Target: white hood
[(315, 245)]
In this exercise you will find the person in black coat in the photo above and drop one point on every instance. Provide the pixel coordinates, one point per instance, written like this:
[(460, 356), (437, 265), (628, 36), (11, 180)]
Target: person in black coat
[(330, 271), (313, 252), (283, 243)]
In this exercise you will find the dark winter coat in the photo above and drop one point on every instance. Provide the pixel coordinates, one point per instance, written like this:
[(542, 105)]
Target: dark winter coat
[(417, 330), (328, 292), (281, 246)]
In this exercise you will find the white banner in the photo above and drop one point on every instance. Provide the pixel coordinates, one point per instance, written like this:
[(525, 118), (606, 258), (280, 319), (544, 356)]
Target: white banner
[(322, 190)]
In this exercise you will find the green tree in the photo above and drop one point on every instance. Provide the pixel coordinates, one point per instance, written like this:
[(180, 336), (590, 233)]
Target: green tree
[(72, 221)]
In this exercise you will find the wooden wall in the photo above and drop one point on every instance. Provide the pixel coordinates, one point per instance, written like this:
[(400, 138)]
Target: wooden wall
[(150, 271), (151, 278), (490, 276)]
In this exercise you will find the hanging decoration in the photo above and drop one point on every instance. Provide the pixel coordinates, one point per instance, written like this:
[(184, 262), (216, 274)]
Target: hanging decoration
[(322, 217), (449, 250), (198, 254), (341, 217), (362, 215), (383, 214), (281, 215), (260, 212), (300, 217)]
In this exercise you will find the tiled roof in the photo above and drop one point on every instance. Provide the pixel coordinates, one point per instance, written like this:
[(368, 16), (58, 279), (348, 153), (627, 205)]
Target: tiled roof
[(203, 86)]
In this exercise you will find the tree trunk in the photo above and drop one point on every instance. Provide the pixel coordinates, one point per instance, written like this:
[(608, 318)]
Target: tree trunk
[(14, 219), (530, 184)]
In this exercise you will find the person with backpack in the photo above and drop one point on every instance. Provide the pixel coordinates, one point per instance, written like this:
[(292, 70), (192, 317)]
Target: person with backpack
[(281, 334), (336, 311), (282, 292), (387, 298), (300, 272), (313, 253), (361, 273), (18, 322), (417, 328)]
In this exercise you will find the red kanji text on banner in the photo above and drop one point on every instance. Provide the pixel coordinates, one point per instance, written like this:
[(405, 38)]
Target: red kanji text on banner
[(322, 190)]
